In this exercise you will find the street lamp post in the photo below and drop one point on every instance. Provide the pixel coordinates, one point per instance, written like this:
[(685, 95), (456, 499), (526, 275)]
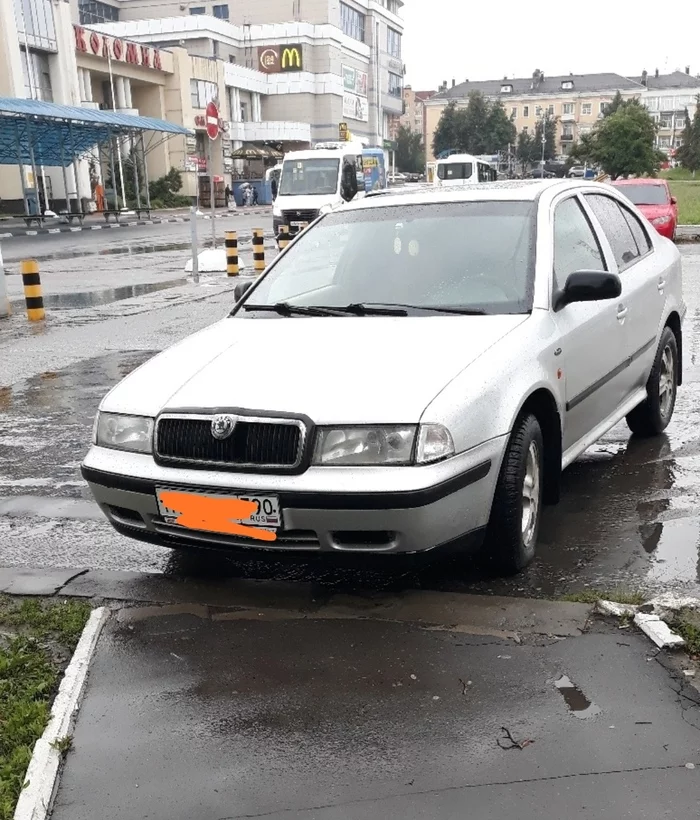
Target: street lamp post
[(544, 140)]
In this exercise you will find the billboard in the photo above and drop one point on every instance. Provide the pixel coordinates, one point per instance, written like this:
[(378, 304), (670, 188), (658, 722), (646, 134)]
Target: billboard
[(354, 81), (355, 108), (276, 59)]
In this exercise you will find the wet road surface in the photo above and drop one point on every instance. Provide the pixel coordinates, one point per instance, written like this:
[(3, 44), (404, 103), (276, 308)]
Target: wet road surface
[(628, 514), (216, 714)]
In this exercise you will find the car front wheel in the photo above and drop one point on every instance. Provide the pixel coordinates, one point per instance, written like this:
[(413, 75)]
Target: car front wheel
[(654, 414), (514, 523)]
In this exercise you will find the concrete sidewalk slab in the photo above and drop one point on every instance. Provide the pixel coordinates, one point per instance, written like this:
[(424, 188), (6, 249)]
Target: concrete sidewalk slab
[(191, 717), (28, 581)]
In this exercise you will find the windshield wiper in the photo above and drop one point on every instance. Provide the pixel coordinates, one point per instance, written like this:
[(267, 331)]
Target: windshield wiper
[(392, 309), (285, 309)]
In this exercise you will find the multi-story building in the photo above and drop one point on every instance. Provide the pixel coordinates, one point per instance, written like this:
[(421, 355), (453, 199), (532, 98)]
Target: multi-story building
[(276, 79), (577, 101), (413, 116)]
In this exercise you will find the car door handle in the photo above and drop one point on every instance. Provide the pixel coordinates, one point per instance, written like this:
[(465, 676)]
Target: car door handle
[(661, 285), (621, 313)]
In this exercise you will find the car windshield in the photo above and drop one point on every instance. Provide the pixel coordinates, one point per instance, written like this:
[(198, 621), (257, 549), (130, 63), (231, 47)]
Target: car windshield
[(645, 194), (309, 176), (473, 256), (455, 170)]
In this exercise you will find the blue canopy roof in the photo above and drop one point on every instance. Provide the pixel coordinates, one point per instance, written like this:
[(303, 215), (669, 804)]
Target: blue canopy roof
[(56, 134)]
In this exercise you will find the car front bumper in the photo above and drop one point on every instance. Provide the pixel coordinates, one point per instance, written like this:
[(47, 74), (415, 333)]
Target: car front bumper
[(325, 509)]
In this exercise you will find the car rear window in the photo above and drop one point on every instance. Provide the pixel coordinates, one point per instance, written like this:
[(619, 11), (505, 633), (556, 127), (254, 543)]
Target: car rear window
[(645, 194)]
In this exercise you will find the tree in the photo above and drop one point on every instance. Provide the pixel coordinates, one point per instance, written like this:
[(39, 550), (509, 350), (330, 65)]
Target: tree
[(549, 124), (410, 156), (524, 150), (623, 142), (483, 127), (689, 152), (617, 103)]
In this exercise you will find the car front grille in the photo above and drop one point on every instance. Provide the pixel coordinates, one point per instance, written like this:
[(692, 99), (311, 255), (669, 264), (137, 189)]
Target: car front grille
[(261, 443), (299, 216)]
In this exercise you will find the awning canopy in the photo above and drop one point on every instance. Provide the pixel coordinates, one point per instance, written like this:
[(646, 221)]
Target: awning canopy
[(44, 133), (250, 151)]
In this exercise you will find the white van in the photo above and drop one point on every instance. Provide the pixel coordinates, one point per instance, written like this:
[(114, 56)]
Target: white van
[(463, 169), (320, 178)]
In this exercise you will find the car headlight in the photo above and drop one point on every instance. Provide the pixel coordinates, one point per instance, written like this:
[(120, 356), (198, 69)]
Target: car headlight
[(392, 445), (133, 433), (276, 210), (661, 220)]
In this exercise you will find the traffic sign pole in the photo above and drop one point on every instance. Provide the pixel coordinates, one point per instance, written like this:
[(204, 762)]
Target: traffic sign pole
[(212, 117)]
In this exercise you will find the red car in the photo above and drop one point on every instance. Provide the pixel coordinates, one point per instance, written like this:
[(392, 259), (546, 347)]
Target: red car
[(654, 200)]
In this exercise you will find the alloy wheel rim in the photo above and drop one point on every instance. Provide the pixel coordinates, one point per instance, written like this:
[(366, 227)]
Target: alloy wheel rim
[(531, 494), (667, 382)]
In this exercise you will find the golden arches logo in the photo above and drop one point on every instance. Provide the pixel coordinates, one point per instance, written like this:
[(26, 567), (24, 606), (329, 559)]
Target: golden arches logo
[(291, 58)]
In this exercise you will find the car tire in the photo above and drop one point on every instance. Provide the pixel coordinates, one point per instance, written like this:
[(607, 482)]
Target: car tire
[(511, 535), (654, 414)]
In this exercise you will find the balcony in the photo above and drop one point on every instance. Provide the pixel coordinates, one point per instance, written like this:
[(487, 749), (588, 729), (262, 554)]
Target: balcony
[(568, 118), (567, 137), (270, 131)]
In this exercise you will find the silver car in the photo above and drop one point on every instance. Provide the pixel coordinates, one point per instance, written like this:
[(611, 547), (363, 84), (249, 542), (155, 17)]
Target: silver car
[(414, 371)]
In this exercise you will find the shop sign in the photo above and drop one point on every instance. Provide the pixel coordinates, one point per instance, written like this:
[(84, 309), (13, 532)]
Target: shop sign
[(355, 108), (123, 51), (354, 81), (276, 59), (343, 132)]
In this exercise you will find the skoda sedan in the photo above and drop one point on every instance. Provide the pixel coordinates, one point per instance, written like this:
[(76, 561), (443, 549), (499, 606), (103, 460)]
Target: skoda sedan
[(413, 372)]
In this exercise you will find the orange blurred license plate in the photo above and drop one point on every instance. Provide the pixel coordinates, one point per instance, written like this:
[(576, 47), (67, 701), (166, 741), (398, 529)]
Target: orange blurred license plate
[(214, 511)]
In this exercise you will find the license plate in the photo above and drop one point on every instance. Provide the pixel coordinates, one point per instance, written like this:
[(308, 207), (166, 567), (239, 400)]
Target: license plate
[(299, 224), (268, 515)]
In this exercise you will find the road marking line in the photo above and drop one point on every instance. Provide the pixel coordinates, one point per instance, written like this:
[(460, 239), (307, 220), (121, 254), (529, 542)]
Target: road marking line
[(36, 799)]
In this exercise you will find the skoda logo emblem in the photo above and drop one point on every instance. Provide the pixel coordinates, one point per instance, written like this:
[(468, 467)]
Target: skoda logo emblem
[(222, 426)]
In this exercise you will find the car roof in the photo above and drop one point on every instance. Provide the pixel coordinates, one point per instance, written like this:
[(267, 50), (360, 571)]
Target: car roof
[(504, 190), (640, 180)]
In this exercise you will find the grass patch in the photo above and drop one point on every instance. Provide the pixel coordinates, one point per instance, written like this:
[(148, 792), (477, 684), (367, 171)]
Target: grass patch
[(687, 625), (35, 639), (618, 595), (687, 192)]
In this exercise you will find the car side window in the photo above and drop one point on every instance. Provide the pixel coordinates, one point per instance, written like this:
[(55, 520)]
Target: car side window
[(576, 246), (613, 221), (641, 237)]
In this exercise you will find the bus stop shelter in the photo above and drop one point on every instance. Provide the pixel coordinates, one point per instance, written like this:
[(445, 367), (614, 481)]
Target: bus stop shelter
[(35, 134)]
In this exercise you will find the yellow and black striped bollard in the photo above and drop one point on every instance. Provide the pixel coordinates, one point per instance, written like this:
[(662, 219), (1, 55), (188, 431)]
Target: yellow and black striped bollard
[(258, 250), (284, 238), (232, 266), (32, 290)]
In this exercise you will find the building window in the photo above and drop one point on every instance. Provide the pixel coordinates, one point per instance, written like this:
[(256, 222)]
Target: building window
[(586, 109), (352, 22), (92, 12), (221, 12), (538, 110), (550, 110), (37, 79), (393, 42), (526, 111), (567, 85), (232, 58), (198, 10), (35, 24), (666, 121), (602, 107), (202, 93), (513, 112), (391, 5), (395, 84), (244, 112), (567, 108), (568, 130), (506, 89)]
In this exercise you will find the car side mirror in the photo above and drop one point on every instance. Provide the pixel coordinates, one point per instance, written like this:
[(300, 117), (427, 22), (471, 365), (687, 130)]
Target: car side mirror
[(348, 186), (674, 201), (589, 286), (240, 290)]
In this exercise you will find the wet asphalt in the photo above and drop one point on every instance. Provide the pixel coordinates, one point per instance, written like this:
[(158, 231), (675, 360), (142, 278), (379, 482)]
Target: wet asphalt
[(627, 516), (223, 714)]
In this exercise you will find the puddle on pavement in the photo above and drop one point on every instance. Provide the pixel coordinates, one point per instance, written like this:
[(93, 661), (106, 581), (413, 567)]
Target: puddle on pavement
[(577, 702), (105, 297)]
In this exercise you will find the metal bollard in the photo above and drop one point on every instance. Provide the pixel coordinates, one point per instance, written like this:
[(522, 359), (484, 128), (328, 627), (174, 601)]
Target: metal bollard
[(258, 250), (284, 238), (232, 266), (32, 290)]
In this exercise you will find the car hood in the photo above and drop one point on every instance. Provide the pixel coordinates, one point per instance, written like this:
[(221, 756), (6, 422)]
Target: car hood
[(351, 370)]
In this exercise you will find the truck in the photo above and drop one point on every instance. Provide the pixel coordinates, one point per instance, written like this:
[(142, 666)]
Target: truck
[(323, 178)]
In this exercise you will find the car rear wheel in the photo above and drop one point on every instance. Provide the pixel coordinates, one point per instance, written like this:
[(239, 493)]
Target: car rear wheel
[(514, 524), (654, 414)]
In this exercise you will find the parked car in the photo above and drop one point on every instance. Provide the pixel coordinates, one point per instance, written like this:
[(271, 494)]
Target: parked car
[(397, 178), (540, 173), (577, 172), (653, 198), (517, 323)]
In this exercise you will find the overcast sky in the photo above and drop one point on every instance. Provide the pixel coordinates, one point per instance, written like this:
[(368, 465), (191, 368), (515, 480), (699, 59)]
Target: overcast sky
[(446, 39)]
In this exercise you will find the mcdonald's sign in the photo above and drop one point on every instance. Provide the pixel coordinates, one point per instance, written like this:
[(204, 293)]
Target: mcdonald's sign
[(276, 59)]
